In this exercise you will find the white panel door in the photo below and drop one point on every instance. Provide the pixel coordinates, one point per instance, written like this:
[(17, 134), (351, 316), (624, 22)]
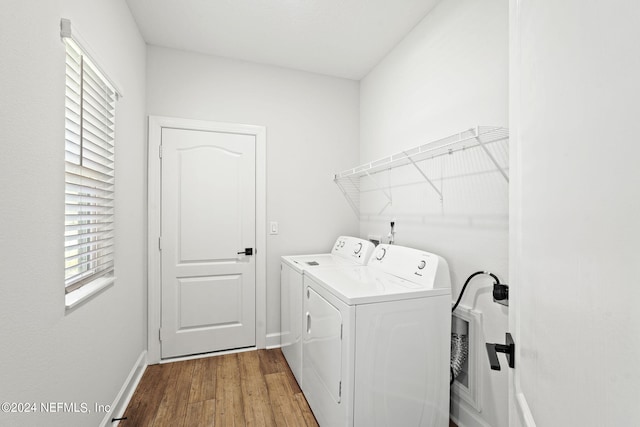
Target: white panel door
[(208, 217)]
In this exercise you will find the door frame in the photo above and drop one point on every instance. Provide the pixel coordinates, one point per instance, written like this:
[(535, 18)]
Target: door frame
[(154, 265), (519, 411)]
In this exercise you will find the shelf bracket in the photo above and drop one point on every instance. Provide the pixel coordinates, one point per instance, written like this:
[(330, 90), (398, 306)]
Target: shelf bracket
[(424, 175), (350, 200), (387, 195), (493, 159)]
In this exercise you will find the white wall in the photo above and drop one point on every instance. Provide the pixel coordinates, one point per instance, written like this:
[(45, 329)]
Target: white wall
[(312, 132), (576, 209), (450, 73), (48, 355)]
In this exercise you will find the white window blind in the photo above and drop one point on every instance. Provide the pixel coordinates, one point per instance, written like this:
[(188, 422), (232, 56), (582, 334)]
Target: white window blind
[(89, 171)]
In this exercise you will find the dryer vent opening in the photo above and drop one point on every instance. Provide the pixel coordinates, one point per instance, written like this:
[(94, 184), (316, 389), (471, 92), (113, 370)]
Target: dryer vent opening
[(459, 351), (467, 343)]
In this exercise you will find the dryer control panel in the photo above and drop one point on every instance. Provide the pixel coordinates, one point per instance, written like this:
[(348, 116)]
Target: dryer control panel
[(353, 248), (414, 265)]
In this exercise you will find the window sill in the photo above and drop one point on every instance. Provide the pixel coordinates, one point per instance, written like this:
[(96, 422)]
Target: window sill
[(88, 291)]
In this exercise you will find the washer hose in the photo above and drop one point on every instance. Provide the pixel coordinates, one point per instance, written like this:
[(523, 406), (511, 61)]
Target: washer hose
[(464, 287), (459, 352)]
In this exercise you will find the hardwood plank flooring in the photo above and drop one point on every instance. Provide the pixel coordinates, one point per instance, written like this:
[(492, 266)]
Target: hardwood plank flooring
[(254, 388), (255, 393)]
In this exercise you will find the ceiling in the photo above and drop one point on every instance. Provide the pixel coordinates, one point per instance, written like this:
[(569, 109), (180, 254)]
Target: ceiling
[(343, 38)]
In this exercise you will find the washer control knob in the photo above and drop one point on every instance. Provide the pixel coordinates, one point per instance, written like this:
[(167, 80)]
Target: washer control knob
[(381, 253), (422, 264), (358, 248)]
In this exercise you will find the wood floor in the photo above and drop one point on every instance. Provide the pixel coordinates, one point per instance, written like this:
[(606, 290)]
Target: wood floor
[(254, 388)]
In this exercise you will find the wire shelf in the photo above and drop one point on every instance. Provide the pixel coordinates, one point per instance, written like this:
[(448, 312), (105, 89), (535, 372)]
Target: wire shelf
[(479, 137)]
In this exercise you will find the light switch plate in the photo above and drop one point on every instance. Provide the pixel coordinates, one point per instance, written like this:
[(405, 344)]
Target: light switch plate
[(273, 227)]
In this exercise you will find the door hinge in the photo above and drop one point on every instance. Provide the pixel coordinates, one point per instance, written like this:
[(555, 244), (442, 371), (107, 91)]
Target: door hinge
[(160, 151), (341, 327), (340, 389), (160, 334), (160, 243)]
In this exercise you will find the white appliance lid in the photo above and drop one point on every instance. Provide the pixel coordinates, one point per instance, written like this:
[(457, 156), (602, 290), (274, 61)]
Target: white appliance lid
[(364, 285), (304, 262), (393, 273)]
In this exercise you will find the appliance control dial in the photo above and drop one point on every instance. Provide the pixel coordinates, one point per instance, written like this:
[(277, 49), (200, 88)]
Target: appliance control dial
[(381, 253), (422, 264), (358, 248)]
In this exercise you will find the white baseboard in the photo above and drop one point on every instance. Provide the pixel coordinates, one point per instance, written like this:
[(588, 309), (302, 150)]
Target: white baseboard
[(273, 340), (123, 397), (526, 418), (466, 416)]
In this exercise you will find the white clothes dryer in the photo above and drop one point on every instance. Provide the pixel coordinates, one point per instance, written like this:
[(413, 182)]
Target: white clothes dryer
[(346, 251), (376, 341)]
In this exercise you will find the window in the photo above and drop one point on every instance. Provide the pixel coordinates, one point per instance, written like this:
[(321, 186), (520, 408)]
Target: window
[(89, 171)]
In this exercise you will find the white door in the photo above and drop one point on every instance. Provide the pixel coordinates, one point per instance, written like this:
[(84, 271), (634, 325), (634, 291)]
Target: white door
[(575, 213), (207, 221)]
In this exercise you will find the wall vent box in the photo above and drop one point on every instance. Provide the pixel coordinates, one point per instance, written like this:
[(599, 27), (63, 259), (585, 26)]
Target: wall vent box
[(468, 385)]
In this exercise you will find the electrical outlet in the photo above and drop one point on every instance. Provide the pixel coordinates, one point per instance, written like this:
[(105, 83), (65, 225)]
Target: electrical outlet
[(501, 294)]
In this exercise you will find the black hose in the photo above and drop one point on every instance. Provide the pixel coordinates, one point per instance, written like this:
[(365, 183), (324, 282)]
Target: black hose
[(464, 287), (467, 282)]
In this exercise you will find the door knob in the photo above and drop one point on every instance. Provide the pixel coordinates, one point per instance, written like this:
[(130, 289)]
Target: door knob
[(247, 251), (509, 348)]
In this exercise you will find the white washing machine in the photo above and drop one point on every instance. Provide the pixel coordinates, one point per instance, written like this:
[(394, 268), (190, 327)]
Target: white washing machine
[(376, 341), (346, 251)]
